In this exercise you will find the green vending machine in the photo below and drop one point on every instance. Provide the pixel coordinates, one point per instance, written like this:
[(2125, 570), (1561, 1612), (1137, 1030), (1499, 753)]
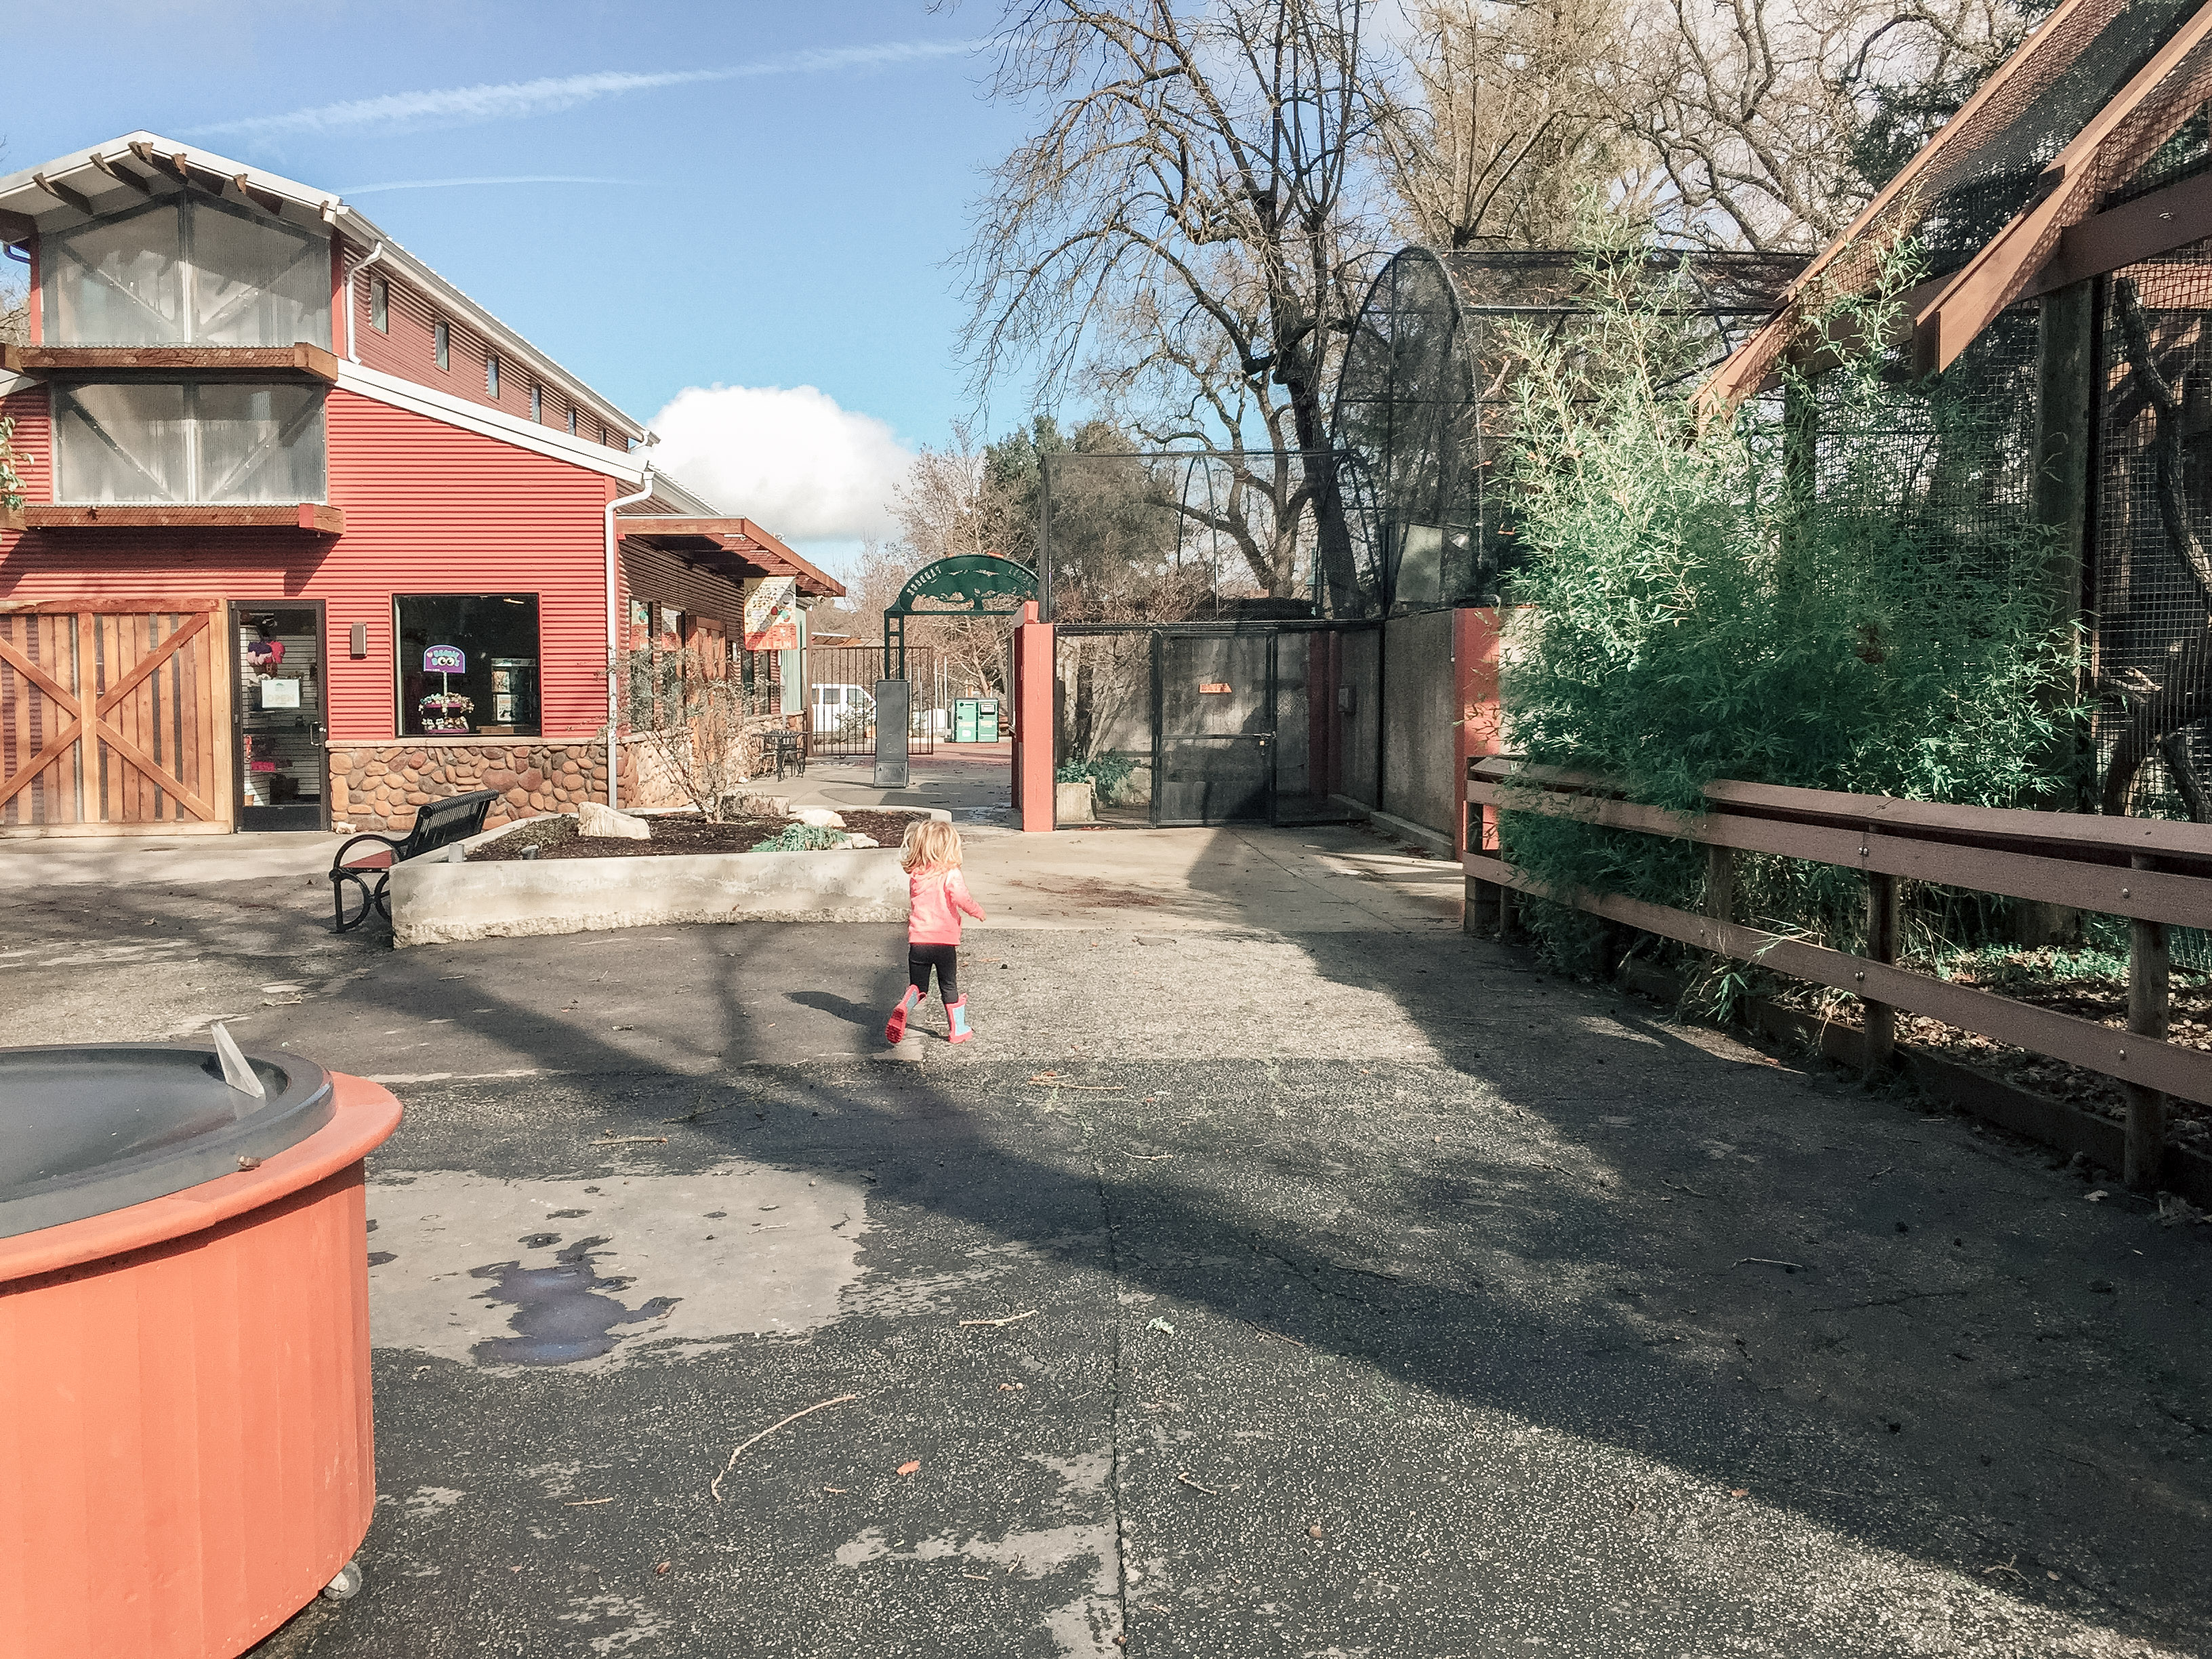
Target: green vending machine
[(964, 720)]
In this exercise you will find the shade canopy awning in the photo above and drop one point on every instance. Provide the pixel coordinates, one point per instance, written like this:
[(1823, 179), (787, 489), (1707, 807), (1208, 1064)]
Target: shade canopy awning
[(733, 547)]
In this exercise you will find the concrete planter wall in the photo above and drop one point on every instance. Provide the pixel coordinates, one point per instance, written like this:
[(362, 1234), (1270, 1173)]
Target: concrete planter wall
[(443, 899)]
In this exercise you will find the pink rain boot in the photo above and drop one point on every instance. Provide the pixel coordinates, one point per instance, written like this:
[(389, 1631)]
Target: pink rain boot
[(895, 1027), (956, 1013)]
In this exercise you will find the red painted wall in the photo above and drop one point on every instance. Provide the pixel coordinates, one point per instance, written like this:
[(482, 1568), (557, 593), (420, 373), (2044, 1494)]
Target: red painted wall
[(429, 509), (406, 348)]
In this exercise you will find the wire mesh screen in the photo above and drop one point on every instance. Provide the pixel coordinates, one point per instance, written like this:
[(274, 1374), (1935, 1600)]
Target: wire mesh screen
[(1424, 400), (840, 699), (1168, 536), (1956, 453), (2153, 502)]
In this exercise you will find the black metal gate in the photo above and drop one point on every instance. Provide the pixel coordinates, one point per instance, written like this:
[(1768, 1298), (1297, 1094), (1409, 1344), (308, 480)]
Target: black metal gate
[(1213, 728), (840, 693), (1175, 724)]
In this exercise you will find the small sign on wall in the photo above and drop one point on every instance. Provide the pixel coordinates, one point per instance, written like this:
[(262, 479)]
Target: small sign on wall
[(445, 659), (772, 613), (280, 694), (1213, 687)]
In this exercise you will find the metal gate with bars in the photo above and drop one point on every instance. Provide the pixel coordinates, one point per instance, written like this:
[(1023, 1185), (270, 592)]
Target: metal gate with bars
[(840, 690), (115, 718), (1189, 724)]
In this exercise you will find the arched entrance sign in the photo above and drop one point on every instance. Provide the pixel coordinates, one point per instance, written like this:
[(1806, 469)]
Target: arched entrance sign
[(967, 584)]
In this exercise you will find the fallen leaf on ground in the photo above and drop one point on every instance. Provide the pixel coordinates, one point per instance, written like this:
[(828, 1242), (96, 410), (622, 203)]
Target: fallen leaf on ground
[(910, 1467), (1740, 1491), (1161, 1325), (663, 1567)]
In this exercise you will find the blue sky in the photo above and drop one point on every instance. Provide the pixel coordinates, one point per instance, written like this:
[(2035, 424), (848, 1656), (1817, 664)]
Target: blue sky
[(792, 179)]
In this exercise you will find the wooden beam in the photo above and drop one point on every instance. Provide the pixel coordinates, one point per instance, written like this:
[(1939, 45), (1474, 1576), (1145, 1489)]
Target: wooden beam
[(16, 227), (2128, 234), (255, 197), (1741, 375), (122, 175), (1995, 277), (65, 195), (316, 518), (313, 362)]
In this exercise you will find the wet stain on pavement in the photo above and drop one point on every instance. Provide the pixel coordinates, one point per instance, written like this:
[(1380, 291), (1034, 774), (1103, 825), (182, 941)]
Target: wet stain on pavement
[(561, 1314)]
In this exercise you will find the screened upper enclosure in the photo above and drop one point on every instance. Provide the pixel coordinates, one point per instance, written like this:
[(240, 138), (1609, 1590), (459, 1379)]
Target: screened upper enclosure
[(186, 270), (1423, 397), (162, 441)]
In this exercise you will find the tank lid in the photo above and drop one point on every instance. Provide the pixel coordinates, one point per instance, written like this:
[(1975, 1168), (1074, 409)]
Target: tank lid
[(87, 1129)]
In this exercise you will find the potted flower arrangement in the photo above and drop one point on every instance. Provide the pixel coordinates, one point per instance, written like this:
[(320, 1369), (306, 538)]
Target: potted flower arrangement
[(446, 711)]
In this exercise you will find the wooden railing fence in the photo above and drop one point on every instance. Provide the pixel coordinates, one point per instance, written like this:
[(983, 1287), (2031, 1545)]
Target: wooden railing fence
[(2155, 872)]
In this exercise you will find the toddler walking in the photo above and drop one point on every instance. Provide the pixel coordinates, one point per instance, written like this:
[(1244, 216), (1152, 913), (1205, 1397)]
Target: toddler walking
[(931, 857)]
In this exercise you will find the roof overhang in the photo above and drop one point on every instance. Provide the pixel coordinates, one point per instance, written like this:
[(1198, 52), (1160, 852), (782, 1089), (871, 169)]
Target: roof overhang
[(735, 547), (122, 173)]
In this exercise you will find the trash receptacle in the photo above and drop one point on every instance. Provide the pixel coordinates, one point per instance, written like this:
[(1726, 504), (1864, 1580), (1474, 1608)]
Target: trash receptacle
[(187, 1455)]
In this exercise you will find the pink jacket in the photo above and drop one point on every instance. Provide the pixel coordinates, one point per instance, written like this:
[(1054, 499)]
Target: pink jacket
[(936, 898)]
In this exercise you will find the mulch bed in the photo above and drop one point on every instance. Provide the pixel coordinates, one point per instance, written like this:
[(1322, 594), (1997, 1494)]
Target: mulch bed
[(676, 833)]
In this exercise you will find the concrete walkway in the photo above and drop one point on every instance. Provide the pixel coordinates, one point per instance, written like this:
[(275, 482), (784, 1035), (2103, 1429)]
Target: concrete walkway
[(1354, 1289)]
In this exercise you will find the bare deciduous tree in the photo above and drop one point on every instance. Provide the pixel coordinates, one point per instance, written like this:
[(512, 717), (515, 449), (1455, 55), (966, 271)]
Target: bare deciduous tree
[(1198, 180), (1770, 123), (1501, 126)]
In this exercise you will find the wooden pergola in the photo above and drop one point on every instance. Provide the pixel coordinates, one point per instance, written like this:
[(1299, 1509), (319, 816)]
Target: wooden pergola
[(736, 548)]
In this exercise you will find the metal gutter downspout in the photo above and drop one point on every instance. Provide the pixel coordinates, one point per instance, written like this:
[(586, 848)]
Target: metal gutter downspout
[(353, 323), (614, 637)]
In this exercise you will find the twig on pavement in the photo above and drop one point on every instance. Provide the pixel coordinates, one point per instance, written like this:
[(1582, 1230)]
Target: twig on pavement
[(1185, 1478), (1010, 1319), (631, 1140), (1766, 1262), (715, 1486), (1679, 1188)]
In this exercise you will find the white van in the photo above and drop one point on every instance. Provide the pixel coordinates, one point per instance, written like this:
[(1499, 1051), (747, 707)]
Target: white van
[(835, 706)]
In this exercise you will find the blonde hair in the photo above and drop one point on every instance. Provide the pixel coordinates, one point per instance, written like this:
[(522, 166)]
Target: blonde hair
[(930, 844)]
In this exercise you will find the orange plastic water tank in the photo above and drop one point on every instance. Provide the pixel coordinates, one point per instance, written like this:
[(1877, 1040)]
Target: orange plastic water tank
[(185, 1448)]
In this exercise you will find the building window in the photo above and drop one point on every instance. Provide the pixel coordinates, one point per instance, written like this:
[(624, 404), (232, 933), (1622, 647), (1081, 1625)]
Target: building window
[(467, 663), (538, 403), (186, 270), (491, 377), (380, 305), (571, 420), (441, 343), (164, 441)]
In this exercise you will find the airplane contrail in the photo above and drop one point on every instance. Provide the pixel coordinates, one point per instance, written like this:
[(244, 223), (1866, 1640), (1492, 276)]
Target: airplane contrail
[(399, 111)]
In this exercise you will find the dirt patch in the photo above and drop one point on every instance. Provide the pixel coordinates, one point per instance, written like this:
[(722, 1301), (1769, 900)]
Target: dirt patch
[(674, 834), (1089, 890)]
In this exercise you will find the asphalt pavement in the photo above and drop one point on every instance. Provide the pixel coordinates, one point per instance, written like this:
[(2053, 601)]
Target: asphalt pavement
[(1279, 1272)]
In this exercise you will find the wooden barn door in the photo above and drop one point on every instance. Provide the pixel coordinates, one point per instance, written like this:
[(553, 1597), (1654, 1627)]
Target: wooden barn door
[(115, 718)]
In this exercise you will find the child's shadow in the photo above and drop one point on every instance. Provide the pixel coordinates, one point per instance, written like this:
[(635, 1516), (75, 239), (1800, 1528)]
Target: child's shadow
[(852, 1013)]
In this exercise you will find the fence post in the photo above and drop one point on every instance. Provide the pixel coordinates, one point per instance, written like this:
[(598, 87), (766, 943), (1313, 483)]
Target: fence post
[(1881, 946), (2149, 962)]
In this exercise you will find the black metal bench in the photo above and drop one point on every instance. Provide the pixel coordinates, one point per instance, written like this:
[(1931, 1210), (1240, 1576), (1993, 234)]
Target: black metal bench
[(437, 823)]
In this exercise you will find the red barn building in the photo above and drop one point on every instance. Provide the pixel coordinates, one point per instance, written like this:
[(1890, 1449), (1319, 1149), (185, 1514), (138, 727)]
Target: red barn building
[(301, 536)]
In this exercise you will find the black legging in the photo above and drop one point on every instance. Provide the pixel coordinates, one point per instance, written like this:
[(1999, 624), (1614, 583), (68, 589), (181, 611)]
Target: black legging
[(945, 958)]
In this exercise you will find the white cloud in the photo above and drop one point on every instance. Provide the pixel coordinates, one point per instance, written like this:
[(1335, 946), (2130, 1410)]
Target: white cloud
[(454, 106), (788, 458)]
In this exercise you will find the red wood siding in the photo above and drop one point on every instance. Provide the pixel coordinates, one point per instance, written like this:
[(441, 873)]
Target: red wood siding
[(429, 509), (655, 573), (408, 348)]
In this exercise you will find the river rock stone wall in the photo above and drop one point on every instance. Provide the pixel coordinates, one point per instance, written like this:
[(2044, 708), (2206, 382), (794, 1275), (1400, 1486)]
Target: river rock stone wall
[(378, 786)]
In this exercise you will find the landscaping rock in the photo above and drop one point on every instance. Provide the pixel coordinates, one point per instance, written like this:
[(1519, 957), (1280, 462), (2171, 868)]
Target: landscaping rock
[(763, 806), (1073, 803), (594, 819), (821, 817)]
